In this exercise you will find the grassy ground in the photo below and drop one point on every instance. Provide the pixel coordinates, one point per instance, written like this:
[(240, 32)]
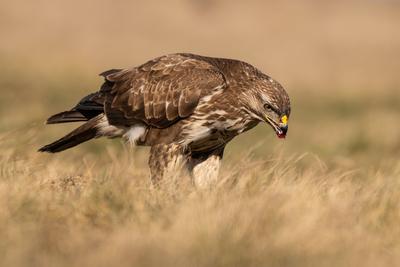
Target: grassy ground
[(97, 208), (329, 195)]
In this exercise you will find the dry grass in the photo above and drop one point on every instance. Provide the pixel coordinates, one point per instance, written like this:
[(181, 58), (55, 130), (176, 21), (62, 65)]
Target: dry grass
[(327, 196), (273, 212)]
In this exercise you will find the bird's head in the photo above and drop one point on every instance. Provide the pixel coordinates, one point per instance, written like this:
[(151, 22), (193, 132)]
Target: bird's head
[(271, 104)]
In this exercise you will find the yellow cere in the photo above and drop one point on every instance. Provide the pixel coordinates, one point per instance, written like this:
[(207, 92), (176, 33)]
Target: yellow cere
[(284, 119)]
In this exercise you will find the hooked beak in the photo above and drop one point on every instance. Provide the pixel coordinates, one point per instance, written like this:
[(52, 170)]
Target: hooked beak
[(280, 128), (281, 133)]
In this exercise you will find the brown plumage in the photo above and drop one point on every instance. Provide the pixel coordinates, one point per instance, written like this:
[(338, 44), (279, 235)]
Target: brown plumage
[(186, 107)]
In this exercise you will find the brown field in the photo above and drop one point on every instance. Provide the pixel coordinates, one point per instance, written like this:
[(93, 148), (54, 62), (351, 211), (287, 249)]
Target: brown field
[(329, 195)]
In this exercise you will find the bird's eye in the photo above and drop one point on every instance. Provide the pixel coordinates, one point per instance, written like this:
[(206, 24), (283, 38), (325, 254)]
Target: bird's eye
[(268, 107)]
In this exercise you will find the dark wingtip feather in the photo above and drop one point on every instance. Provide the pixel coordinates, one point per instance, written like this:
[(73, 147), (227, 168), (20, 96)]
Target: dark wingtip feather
[(66, 116)]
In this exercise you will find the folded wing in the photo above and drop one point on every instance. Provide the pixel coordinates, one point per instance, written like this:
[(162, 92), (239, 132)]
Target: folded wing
[(160, 92)]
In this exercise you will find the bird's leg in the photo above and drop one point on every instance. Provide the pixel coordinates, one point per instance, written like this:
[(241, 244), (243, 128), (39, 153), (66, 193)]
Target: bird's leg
[(205, 169), (167, 161)]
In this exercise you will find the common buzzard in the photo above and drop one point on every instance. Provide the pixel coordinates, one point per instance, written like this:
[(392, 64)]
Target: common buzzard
[(186, 107)]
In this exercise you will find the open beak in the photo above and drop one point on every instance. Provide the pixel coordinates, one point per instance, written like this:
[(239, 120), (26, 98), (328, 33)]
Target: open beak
[(280, 128), (281, 132)]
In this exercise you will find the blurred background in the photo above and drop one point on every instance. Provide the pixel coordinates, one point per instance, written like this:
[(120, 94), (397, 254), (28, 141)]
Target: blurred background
[(339, 61), (328, 195)]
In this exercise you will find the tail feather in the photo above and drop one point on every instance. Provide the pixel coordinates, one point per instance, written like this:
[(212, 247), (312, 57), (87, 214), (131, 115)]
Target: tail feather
[(88, 107), (66, 116), (85, 132)]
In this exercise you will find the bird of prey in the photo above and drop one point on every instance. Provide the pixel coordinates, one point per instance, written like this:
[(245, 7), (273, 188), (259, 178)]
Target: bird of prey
[(186, 107)]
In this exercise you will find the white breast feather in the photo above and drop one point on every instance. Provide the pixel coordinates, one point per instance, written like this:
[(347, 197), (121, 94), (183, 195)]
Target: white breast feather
[(134, 133)]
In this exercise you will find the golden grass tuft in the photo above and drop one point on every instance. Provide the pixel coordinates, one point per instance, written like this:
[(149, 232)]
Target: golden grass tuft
[(281, 211)]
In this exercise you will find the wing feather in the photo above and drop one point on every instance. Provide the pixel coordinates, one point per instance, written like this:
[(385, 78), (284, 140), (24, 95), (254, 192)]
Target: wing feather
[(161, 91)]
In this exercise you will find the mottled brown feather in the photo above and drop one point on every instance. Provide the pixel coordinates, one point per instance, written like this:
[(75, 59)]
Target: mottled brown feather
[(160, 91)]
